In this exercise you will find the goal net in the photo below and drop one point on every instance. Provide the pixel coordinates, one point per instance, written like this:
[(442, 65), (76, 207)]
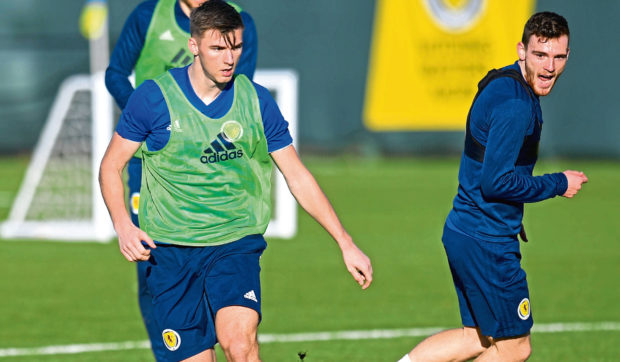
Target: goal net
[(59, 198)]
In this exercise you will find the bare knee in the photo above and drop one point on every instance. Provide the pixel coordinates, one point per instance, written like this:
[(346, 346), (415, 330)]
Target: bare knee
[(458, 344), (513, 349), (236, 333), (476, 342), (240, 348), (523, 351), (519, 353)]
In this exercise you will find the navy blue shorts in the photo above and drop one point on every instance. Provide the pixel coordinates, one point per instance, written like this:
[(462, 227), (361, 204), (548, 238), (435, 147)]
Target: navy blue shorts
[(490, 284), (190, 284), (145, 300)]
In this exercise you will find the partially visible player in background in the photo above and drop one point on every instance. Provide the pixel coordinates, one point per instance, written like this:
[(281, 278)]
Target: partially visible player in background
[(154, 40), (495, 180)]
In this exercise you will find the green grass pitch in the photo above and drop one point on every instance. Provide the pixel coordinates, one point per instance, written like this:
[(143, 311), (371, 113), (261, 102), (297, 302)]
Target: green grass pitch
[(78, 293)]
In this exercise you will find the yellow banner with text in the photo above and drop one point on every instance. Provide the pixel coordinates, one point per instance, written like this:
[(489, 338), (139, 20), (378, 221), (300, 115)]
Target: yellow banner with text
[(427, 57)]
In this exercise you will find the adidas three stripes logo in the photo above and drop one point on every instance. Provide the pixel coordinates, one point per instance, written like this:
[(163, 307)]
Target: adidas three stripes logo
[(220, 150)]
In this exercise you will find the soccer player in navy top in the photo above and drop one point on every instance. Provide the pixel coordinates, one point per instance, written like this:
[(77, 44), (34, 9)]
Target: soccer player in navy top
[(208, 138), (495, 180), (153, 40)]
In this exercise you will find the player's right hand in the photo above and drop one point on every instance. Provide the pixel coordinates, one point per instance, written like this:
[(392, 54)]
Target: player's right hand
[(130, 240), (575, 180), (358, 264)]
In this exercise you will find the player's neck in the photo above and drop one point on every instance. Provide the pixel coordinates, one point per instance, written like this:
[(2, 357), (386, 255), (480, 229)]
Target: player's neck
[(521, 64), (185, 8), (205, 88)]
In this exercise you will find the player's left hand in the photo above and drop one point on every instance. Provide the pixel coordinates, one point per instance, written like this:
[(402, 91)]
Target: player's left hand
[(358, 264)]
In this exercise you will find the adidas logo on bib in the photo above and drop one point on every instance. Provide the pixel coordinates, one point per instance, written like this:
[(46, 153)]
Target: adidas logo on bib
[(167, 35), (251, 296), (222, 148)]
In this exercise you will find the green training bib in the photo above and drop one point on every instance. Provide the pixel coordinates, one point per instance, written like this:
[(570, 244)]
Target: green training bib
[(211, 183)]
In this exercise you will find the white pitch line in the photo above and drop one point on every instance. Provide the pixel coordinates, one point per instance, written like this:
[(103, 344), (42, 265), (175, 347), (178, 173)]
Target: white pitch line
[(302, 337), (74, 348), (348, 335), (576, 327)]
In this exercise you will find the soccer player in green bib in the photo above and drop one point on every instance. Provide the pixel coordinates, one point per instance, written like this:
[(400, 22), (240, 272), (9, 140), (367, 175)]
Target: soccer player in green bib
[(208, 138), (154, 40)]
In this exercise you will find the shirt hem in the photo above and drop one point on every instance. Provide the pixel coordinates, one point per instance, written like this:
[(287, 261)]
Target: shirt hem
[(219, 241)]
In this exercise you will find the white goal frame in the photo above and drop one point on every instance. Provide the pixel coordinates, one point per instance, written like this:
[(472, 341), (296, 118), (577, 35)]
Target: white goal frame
[(99, 228), (284, 82)]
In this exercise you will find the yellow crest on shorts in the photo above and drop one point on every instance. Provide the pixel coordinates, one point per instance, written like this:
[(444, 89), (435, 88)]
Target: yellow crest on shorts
[(172, 340), (524, 309)]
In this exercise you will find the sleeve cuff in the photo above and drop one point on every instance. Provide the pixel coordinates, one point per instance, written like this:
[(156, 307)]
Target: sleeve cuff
[(562, 183), (280, 146)]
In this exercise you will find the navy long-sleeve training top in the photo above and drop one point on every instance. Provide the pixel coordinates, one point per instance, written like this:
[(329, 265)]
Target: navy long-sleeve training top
[(491, 193)]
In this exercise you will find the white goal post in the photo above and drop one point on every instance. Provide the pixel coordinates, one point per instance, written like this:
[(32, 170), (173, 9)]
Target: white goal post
[(59, 198), (284, 84)]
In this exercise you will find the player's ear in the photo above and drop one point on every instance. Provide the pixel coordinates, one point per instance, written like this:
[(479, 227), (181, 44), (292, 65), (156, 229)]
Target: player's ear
[(193, 46), (521, 50)]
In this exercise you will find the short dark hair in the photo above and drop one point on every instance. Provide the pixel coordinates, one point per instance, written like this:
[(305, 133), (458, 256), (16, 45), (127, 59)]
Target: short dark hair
[(215, 15), (546, 25)]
